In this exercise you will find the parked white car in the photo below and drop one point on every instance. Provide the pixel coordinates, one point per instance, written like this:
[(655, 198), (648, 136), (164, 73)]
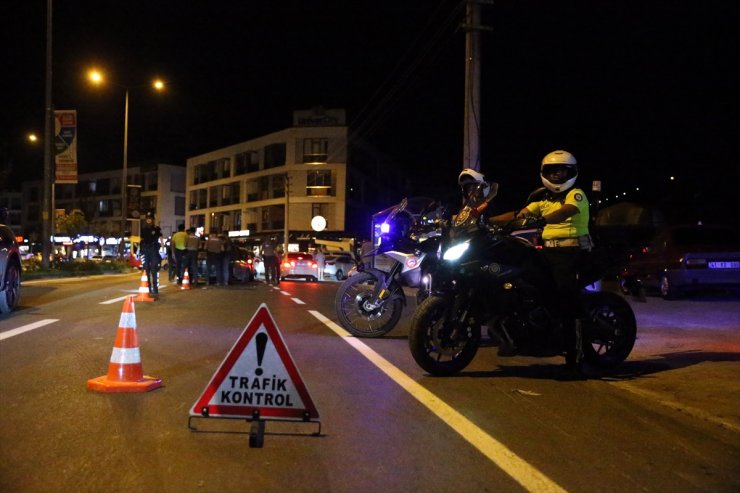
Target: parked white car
[(338, 265)]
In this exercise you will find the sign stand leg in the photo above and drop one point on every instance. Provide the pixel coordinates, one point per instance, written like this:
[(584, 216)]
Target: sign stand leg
[(257, 431), (257, 434)]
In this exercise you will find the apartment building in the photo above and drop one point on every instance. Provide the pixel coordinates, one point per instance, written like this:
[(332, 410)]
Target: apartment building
[(158, 188), (310, 170), (11, 202)]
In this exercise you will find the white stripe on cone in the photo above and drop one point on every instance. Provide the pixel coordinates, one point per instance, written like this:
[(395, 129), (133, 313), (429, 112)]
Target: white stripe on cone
[(125, 356), (127, 321)]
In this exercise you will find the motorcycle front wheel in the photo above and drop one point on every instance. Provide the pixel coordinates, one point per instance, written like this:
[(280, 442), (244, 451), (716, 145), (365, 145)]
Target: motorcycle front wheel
[(358, 314), (609, 329), (436, 346)]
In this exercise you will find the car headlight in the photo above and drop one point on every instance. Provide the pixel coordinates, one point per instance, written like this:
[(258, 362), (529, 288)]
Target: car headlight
[(456, 251)]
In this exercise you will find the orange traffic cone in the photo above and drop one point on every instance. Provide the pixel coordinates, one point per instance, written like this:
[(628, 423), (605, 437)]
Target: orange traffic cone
[(185, 280), (125, 373), (144, 289)]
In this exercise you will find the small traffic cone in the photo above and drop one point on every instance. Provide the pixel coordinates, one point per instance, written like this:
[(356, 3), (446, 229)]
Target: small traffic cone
[(125, 373), (185, 280), (144, 289)]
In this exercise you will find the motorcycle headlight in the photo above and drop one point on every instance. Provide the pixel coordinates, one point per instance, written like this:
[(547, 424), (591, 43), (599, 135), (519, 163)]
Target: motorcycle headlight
[(456, 251)]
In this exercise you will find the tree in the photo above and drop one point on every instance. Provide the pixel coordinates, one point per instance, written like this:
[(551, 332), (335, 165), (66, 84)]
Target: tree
[(72, 224)]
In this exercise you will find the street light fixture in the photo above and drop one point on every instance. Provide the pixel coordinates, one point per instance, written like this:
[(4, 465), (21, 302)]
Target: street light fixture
[(97, 78)]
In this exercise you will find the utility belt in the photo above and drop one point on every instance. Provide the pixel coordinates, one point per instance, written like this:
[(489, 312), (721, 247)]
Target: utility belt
[(582, 242)]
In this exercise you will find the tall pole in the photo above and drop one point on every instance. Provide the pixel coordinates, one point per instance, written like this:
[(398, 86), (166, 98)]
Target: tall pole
[(471, 136), (471, 144), (286, 229), (46, 212), (124, 178)]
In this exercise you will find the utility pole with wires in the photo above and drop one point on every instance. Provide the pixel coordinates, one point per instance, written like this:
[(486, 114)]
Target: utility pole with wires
[(286, 225), (471, 135)]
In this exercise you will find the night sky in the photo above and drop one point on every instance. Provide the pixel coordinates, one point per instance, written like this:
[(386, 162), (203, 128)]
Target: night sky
[(638, 91)]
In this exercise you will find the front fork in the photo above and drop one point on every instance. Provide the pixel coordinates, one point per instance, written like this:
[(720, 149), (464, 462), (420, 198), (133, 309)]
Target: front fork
[(382, 289), (456, 317)]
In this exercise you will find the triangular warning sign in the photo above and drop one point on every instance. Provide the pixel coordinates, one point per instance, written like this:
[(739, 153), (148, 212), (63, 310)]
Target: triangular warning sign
[(257, 377)]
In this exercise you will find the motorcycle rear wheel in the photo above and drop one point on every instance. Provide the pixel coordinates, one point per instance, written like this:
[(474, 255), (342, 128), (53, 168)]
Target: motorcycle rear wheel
[(609, 329), (433, 347), (359, 318)]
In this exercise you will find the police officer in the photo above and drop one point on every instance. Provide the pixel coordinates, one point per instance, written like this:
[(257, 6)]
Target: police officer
[(561, 209), (473, 186), (150, 244)]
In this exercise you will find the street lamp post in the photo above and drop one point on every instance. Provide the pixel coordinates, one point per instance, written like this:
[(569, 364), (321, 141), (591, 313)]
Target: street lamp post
[(96, 77), (124, 180), (47, 204)]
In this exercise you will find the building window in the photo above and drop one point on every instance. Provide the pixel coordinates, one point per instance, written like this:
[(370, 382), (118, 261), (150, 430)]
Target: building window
[(315, 151), (278, 186), (273, 217), (104, 186), (223, 168), (148, 204), (202, 173), (179, 206), (318, 210), (319, 183), (150, 181), (197, 221), (213, 197), (198, 199), (230, 194), (274, 155), (247, 162), (258, 189)]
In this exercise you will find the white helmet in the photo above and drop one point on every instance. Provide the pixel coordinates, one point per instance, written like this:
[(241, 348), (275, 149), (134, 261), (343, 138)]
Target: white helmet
[(469, 177), (558, 161)]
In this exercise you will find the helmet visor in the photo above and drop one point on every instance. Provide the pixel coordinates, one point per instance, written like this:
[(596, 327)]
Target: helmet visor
[(558, 173)]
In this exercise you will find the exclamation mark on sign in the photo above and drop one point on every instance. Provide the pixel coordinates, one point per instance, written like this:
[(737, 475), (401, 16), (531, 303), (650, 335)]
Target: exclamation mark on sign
[(261, 345)]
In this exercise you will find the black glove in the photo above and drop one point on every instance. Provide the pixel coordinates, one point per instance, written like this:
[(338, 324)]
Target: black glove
[(533, 222)]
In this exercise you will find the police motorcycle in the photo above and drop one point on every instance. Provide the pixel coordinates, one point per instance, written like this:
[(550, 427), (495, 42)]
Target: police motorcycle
[(491, 280), (371, 302)]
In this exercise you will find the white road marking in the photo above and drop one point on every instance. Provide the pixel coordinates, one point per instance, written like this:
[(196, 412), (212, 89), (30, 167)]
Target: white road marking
[(114, 300), (121, 298), (20, 330), (520, 471), (298, 301)]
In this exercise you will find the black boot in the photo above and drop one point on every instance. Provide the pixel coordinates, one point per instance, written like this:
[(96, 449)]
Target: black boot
[(573, 369)]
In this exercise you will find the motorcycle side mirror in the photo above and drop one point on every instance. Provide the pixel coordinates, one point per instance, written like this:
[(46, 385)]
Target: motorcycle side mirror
[(536, 195), (487, 201)]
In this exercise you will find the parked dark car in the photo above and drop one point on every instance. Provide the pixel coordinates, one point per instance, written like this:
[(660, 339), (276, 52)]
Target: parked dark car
[(241, 266), (686, 258), (10, 270)]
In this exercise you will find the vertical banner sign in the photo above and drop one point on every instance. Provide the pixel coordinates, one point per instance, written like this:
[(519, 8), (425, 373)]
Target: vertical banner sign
[(133, 201), (65, 146)]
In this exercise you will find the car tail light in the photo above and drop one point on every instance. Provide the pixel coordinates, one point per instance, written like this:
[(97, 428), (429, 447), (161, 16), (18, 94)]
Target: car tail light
[(314, 265)]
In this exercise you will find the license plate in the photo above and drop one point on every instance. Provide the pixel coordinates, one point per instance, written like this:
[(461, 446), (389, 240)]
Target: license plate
[(724, 265)]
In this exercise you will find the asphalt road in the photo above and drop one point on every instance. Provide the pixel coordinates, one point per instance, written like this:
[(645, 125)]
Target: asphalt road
[(668, 420)]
